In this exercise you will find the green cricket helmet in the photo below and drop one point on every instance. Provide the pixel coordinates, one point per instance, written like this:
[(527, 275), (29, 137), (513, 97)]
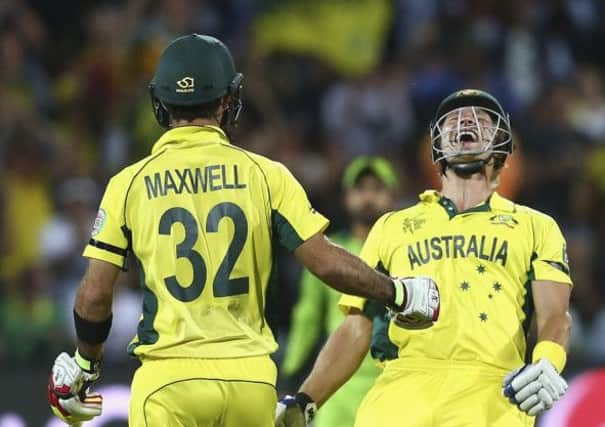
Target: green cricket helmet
[(193, 70), (469, 129)]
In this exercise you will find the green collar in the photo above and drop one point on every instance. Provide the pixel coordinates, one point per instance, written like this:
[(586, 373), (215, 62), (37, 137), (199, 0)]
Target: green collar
[(494, 202), (189, 136)]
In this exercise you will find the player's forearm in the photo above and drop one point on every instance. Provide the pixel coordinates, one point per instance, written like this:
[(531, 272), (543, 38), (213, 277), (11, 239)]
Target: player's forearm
[(339, 359), (343, 271), (92, 308), (351, 275), (551, 302), (555, 327)]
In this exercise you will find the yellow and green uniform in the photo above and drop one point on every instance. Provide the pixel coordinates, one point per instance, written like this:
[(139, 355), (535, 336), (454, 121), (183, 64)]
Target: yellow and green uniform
[(201, 217), (483, 260), (315, 312)]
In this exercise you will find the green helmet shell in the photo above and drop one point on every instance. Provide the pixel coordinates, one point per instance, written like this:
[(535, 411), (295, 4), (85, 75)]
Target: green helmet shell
[(193, 69)]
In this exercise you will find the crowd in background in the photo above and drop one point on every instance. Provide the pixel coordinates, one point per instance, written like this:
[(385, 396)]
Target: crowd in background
[(324, 82)]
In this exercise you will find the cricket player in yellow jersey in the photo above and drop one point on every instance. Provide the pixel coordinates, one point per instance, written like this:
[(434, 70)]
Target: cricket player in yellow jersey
[(497, 263), (201, 216)]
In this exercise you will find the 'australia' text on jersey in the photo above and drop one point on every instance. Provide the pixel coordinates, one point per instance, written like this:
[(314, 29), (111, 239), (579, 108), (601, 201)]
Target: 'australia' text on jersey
[(457, 246), (198, 180)]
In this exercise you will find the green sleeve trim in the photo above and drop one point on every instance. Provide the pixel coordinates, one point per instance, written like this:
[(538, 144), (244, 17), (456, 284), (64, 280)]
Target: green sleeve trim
[(286, 234), (528, 306), (146, 334)]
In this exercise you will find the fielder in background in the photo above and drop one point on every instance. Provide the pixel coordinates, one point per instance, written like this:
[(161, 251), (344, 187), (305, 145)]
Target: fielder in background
[(369, 185), (497, 263), (201, 216)]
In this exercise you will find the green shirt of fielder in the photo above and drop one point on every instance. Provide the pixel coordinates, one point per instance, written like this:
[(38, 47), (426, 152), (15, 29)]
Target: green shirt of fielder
[(317, 314)]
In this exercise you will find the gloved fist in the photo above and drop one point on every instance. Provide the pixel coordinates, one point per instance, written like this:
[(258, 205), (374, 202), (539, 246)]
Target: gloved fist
[(68, 391), (295, 411), (534, 388), (421, 302)]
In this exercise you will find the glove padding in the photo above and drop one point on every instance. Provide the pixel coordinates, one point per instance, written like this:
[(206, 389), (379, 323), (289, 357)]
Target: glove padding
[(68, 392), (295, 411), (534, 388), (421, 305)]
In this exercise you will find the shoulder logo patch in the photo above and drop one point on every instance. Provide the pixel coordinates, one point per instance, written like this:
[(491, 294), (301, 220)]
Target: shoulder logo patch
[(99, 222), (411, 224), (507, 220), (185, 85)]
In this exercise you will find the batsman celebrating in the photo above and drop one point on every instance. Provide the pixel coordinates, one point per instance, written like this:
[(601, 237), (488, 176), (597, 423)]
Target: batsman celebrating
[(497, 263), (201, 217)]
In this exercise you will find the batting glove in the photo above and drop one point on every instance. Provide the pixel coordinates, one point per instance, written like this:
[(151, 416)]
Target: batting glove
[(295, 411), (68, 389), (534, 388), (421, 302)]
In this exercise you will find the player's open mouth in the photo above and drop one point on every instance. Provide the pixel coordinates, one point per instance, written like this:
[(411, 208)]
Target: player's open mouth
[(468, 136)]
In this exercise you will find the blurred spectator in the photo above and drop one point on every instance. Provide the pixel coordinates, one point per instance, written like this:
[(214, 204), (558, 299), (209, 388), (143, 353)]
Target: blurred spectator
[(65, 234), (30, 323), (27, 199), (369, 116), (587, 109)]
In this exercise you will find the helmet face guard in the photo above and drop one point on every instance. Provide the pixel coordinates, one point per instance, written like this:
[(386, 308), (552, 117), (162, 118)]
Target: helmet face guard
[(470, 128), (469, 133)]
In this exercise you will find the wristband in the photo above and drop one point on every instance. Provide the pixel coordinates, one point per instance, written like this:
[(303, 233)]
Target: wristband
[(306, 404), (92, 332), (551, 351), (85, 364), (399, 297)]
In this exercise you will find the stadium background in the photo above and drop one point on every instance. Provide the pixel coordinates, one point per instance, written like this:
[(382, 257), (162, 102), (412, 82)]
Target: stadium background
[(324, 81)]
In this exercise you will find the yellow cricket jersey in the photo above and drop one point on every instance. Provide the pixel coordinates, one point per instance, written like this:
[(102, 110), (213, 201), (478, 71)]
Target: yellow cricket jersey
[(201, 216), (483, 261)]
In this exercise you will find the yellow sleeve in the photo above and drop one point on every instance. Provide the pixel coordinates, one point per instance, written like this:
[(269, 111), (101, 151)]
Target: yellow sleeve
[(550, 253), (370, 253), (294, 219), (108, 240)]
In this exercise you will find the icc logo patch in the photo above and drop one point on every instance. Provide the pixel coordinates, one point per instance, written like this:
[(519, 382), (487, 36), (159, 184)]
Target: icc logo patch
[(410, 225), (99, 222), (507, 220), (185, 85)]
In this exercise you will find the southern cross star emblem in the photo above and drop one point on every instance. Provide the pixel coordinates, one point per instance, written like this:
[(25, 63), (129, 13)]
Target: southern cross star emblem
[(480, 269), (465, 286), (497, 286), (483, 317)]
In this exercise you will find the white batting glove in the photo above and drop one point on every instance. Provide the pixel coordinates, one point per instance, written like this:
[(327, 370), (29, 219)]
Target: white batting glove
[(68, 394), (421, 302), (295, 411), (534, 388)]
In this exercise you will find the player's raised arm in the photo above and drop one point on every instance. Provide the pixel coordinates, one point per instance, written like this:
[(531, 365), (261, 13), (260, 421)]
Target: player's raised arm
[(337, 362), (300, 229), (346, 272)]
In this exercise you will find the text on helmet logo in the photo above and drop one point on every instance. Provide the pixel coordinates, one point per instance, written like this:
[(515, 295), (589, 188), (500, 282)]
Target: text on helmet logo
[(185, 85)]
